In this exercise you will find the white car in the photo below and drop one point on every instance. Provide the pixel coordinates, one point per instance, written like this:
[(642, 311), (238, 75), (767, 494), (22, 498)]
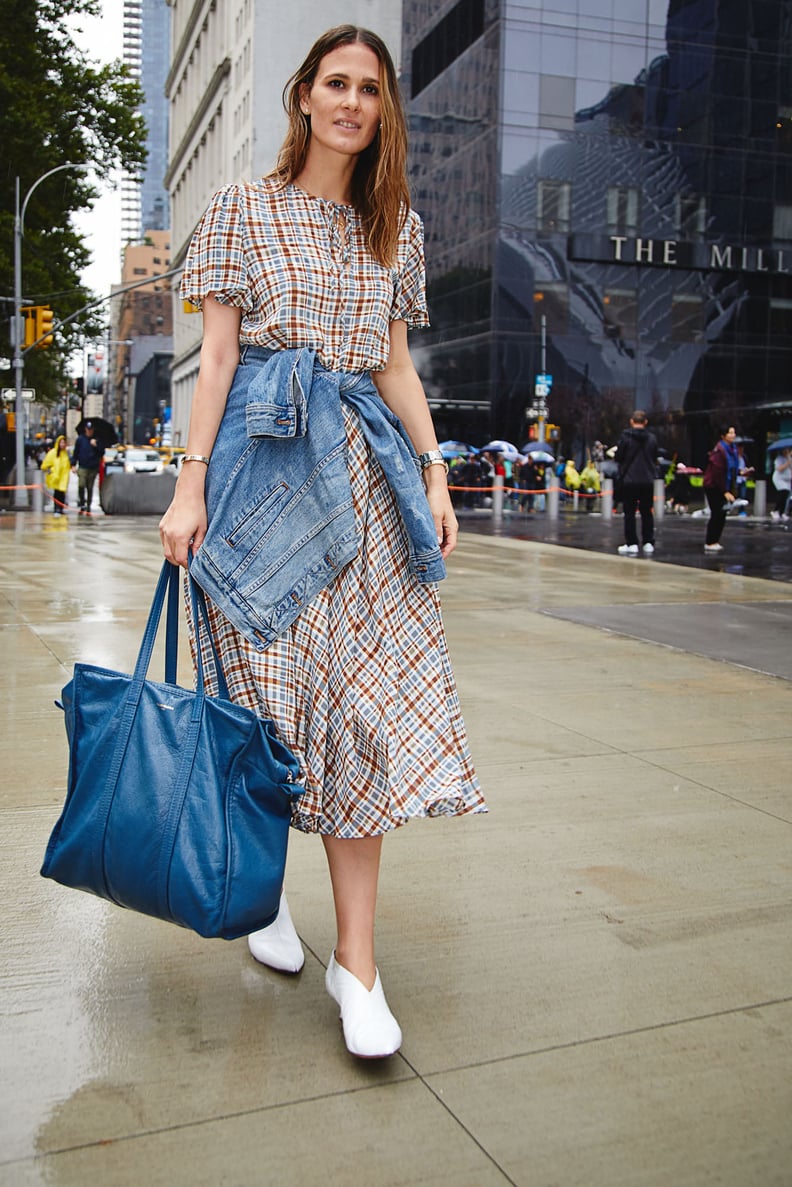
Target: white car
[(135, 461)]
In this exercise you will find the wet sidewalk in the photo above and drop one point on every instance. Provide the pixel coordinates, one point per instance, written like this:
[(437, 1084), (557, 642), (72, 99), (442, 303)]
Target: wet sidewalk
[(594, 981), (752, 547)]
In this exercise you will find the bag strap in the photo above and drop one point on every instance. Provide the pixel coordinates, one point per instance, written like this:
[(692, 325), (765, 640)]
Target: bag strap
[(169, 582), (200, 618)]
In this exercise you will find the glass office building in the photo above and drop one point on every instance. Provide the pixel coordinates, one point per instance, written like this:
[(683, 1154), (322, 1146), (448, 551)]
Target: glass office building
[(613, 177)]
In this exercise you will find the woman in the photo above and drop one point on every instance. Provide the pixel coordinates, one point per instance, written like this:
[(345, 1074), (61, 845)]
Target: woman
[(782, 481), (56, 465), (308, 280), (720, 481)]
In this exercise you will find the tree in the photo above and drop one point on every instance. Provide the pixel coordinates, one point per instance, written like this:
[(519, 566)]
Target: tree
[(57, 106)]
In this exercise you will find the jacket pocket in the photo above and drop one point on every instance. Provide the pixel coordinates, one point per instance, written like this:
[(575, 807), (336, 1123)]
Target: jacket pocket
[(252, 516)]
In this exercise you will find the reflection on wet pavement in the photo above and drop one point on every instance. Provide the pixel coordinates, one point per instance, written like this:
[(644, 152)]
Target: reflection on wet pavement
[(751, 548)]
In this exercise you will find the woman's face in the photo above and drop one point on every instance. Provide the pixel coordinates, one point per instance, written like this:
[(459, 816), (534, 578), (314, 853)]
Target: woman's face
[(729, 435), (344, 100)]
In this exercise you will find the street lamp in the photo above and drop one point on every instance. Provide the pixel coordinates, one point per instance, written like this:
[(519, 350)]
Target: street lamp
[(20, 494)]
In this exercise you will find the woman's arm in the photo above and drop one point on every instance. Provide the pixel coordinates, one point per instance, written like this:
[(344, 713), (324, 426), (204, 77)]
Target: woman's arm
[(184, 523), (401, 389)]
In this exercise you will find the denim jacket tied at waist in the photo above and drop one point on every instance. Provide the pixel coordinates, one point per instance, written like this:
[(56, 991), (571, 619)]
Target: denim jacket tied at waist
[(278, 495)]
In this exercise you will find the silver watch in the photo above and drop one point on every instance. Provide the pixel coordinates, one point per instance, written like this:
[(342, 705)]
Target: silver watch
[(432, 457)]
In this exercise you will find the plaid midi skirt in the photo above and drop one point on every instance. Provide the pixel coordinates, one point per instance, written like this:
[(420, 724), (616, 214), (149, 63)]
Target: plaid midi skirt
[(360, 686)]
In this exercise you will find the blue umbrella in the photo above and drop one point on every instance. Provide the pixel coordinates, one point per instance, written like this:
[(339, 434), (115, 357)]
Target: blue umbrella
[(456, 449), (781, 443)]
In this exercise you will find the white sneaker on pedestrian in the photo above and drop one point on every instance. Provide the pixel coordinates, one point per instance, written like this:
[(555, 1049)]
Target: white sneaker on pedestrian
[(278, 946), (713, 548), (775, 514), (627, 550), (648, 549)]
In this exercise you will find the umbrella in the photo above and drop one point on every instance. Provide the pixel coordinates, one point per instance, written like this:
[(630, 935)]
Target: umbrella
[(781, 443), (505, 447), (538, 454), (101, 429), (456, 449)]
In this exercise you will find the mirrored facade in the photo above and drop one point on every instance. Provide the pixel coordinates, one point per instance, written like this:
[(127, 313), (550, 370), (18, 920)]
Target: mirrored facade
[(616, 176)]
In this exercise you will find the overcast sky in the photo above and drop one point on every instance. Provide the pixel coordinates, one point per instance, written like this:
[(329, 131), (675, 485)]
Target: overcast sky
[(102, 40)]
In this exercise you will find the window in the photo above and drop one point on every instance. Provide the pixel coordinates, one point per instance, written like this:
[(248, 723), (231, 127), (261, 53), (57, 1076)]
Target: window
[(622, 209), (450, 37), (690, 216), (620, 314), (784, 128), (782, 222), (553, 205), (551, 301), (687, 318), (780, 319), (556, 102)]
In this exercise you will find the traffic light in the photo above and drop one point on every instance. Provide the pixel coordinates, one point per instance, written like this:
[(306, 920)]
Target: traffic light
[(29, 314), (44, 319), (38, 324)]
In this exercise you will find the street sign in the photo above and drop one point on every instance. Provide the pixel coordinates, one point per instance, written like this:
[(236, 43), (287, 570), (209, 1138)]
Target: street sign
[(542, 389), (545, 379), (28, 393)]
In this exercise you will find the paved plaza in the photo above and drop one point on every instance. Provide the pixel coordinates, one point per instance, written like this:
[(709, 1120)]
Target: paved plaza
[(594, 980)]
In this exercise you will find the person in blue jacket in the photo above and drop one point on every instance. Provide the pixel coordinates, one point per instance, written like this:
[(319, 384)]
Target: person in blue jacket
[(86, 457)]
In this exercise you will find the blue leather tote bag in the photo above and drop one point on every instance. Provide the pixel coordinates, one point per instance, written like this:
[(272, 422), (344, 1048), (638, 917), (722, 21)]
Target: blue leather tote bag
[(178, 803)]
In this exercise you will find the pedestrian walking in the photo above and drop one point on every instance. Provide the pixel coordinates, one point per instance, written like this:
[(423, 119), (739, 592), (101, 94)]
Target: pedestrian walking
[(636, 455), (86, 457), (56, 465), (318, 538), (720, 484)]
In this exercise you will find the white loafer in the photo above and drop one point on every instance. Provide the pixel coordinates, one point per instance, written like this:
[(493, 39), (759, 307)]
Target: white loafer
[(370, 1030), (278, 946)]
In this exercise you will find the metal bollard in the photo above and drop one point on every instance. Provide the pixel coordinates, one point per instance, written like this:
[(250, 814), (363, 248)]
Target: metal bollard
[(38, 498), (607, 499), (575, 500), (760, 498), (553, 494), (497, 499), (659, 499)]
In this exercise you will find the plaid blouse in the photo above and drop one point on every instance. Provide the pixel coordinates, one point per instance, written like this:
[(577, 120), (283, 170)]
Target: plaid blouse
[(300, 270)]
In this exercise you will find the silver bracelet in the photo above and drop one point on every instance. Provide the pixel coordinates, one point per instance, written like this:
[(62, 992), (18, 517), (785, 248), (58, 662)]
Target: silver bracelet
[(195, 457), (432, 457)]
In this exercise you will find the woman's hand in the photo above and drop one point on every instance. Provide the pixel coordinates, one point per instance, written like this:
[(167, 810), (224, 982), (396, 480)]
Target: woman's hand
[(183, 526), (729, 497), (439, 500)]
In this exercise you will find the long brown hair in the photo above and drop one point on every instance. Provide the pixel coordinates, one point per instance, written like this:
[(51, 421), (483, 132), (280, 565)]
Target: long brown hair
[(379, 184)]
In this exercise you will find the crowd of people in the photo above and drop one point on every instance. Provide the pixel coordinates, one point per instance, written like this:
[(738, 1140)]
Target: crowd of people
[(633, 464)]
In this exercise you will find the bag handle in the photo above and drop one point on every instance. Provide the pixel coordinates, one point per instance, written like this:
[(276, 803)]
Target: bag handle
[(169, 582), (201, 617)]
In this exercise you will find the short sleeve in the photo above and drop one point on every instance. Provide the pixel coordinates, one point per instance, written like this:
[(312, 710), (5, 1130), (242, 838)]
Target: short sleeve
[(409, 288), (216, 257)]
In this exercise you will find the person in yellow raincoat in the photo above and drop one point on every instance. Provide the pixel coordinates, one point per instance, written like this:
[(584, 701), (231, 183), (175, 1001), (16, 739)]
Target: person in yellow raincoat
[(590, 483), (571, 476), (57, 468)]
